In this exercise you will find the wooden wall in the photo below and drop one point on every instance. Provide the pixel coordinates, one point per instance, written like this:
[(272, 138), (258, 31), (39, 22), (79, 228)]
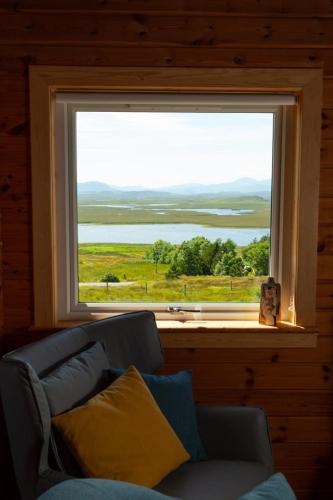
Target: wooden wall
[(295, 386)]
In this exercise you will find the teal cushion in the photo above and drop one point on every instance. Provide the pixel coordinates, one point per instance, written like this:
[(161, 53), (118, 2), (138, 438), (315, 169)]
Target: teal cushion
[(173, 394), (100, 489), (275, 488)]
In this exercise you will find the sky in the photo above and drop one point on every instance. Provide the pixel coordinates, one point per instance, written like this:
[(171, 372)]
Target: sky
[(163, 149)]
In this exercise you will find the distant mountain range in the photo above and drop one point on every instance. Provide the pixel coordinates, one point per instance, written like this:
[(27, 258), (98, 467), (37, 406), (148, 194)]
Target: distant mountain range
[(244, 186)]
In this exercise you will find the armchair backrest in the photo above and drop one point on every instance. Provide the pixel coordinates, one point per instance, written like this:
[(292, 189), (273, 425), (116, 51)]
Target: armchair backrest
[(128, 339)]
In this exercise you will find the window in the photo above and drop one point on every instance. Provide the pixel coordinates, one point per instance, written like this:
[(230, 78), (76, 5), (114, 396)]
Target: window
[(85, 282), (170, 201)]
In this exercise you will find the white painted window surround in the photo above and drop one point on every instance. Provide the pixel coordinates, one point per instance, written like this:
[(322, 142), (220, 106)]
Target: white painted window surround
[(66, 107)]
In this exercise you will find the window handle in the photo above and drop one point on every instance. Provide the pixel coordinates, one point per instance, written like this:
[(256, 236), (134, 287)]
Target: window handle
[(181, 309)]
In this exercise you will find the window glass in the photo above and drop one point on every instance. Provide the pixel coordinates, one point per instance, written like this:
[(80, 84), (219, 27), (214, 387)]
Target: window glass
[(173, 207)]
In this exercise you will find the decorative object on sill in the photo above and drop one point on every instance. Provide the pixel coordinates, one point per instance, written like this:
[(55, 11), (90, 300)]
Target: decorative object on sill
[(270, 296)]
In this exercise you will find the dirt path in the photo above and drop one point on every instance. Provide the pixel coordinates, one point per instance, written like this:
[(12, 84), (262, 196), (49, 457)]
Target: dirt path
[(101, 284)]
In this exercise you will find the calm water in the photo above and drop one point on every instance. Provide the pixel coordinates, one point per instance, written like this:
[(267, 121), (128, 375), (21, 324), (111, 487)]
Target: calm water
[(174, 233)]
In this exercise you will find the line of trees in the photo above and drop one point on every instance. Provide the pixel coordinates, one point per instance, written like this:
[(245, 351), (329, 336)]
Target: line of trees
[(201, 257)]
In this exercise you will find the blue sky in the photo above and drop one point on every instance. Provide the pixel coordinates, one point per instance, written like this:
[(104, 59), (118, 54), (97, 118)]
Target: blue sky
[(162, 149)]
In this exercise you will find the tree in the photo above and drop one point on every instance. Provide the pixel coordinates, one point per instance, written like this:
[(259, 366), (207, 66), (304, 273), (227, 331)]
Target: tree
[(195, 257), (230, 265), (198, 257), (159, 252), (228, 246), (109, 278), (256, 256)]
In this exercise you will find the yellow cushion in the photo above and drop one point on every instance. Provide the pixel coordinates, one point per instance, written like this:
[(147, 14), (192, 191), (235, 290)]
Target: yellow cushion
[(121, 434)]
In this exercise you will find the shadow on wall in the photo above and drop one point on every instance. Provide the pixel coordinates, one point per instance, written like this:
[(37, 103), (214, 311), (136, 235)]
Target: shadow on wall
[(8, 490)]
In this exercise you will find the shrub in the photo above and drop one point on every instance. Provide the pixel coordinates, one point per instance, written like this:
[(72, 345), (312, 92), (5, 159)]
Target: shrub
[(110, 278)]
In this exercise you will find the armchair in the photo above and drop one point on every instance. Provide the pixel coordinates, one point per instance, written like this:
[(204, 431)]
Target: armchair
[(236, 438)]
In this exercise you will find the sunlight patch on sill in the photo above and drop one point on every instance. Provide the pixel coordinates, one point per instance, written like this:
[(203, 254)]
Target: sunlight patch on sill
[(225, 325)]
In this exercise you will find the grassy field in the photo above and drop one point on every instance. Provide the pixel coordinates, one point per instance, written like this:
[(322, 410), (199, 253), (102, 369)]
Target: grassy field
[(127, 261), (143, 213)]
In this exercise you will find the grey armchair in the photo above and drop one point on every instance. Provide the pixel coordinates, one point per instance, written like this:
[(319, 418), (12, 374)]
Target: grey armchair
[(236, 438)]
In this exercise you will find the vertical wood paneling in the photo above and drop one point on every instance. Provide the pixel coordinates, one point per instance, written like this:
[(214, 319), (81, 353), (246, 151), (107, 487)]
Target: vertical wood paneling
[(294, 385)]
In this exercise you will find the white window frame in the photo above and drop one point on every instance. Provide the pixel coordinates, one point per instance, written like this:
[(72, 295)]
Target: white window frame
[(298, 230), (67, 105)]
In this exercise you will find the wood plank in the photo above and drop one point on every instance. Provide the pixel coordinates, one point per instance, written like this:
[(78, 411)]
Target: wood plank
[(18, 237), (328, 93), (237, 339), (18, 292), (315, 494), (190, 7), (18, 212), (325, 266), (9, 200), (276, 403), (310, 479), (14, 148), (314, 455), (301, 429), (326, 152), (17, 265), (14, 189), (327, 124), (325, 295), (20, 56), (260, 376), (325, 321), (209, 31), (14, 176), (325, 238), (14, 117), (17, 320), (326, 182), (322, 353), (326, 210)]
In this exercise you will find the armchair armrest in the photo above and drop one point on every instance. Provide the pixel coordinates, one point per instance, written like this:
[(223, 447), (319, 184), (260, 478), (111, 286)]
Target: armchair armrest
[(235, 433)]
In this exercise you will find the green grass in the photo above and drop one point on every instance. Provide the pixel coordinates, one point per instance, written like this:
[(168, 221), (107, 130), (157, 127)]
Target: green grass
[(127, 261), (110, 215)]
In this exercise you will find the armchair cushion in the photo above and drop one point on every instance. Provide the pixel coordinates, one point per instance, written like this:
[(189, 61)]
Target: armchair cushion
[(275, 488), (173, 394), (100, 489), (213, 480), (122, 434), (77, 379)]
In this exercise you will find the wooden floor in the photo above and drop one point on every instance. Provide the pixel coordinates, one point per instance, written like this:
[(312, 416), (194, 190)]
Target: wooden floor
[(295, 386)]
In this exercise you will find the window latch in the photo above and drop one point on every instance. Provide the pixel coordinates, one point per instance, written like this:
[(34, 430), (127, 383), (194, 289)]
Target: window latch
[(176, 309)]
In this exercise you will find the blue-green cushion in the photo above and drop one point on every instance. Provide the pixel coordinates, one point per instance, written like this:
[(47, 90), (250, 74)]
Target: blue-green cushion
[(173, 394), (100, 489), (275, 488)]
